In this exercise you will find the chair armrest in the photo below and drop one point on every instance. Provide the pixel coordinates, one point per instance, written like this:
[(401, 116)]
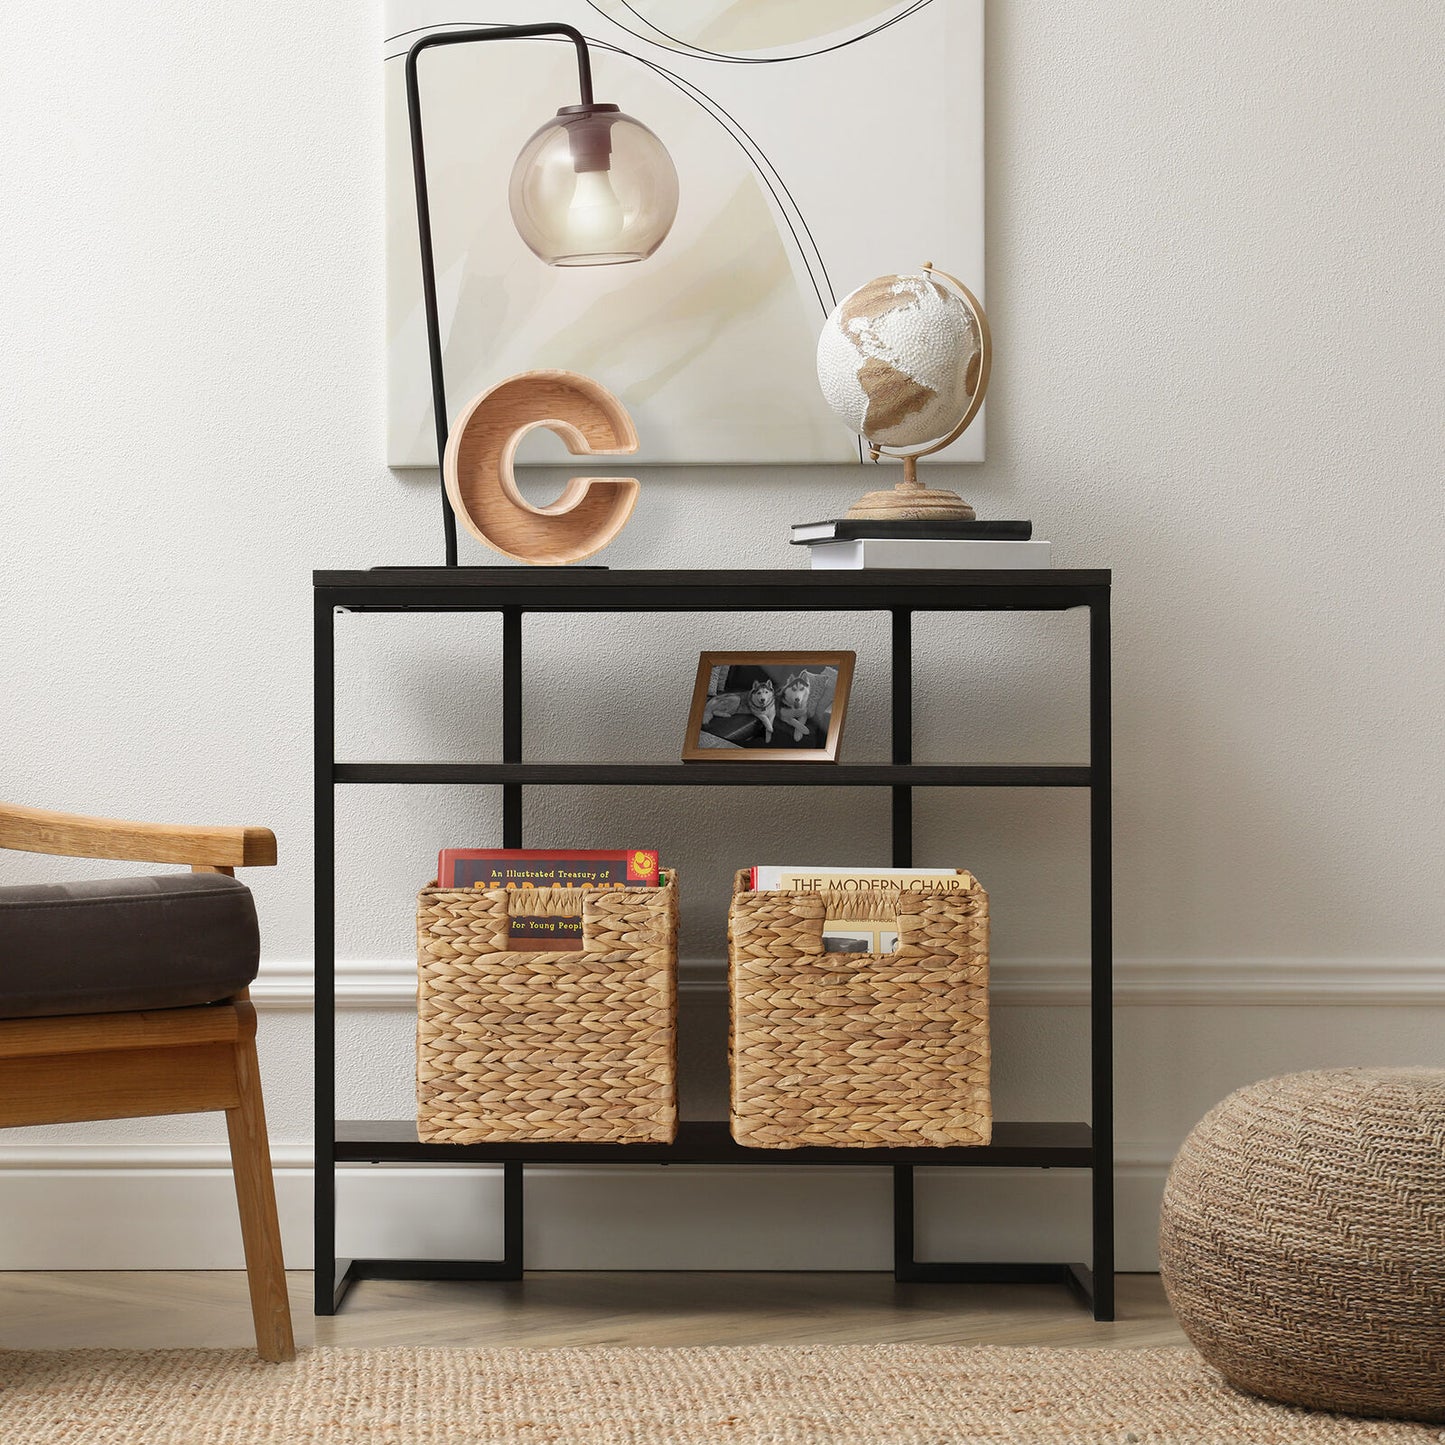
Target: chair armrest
[(36, 830)]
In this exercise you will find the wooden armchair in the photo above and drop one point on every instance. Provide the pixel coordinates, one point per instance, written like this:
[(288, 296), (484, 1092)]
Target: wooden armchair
[(127, 997)]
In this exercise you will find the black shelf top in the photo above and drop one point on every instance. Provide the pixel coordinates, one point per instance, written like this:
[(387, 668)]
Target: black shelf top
[(704, 774), (567, 589), (1017, 1145)]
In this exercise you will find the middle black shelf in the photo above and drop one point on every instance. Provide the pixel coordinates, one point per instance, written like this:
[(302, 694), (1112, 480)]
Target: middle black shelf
[(718, 775)]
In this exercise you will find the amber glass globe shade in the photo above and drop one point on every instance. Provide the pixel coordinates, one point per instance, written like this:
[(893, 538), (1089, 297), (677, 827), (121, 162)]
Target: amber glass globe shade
[(593, 187)]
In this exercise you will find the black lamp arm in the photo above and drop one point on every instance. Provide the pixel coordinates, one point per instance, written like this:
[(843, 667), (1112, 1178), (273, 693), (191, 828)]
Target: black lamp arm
[(423, 210)]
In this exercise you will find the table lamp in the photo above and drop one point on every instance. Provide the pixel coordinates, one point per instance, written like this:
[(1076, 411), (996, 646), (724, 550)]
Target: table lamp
[(591, 187)]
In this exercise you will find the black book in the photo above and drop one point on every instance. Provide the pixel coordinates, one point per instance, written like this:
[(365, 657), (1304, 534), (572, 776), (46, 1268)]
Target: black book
[(847, 529)]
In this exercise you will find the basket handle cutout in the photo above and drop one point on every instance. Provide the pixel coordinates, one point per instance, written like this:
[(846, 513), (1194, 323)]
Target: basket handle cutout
[(781, 925)]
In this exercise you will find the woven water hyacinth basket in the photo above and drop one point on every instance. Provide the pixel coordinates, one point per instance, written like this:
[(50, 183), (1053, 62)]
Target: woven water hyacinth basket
[(859, 1050), (1302, 1240), (547, 1046)]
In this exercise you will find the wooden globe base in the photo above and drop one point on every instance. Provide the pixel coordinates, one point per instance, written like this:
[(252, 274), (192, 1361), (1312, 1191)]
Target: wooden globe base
[(910, 500)]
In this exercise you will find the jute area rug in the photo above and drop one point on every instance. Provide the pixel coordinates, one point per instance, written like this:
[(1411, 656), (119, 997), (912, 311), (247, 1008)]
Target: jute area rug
[(828, 1395)]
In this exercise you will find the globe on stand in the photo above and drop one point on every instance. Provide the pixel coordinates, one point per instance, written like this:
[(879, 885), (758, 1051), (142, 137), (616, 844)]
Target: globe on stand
[(904, 361)]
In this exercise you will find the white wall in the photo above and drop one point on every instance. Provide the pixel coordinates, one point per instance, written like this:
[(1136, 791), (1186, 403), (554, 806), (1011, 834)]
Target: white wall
[(1215, 284)]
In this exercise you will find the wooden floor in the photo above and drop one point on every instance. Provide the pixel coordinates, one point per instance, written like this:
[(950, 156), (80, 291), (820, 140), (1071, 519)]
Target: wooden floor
[(73, 1310)]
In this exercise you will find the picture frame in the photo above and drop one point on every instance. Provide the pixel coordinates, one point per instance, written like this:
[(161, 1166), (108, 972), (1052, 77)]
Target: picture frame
[(760, 706)]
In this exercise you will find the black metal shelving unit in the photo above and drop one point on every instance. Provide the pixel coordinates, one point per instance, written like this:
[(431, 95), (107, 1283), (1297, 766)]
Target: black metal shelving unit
[(514, 592)]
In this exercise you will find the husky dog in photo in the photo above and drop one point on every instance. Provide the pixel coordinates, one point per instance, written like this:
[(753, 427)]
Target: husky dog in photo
[(762, 703), (793, 705)]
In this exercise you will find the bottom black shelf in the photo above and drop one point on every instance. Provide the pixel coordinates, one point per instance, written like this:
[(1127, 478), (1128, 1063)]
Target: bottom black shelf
[(1078, 1277), (1015, 1145)]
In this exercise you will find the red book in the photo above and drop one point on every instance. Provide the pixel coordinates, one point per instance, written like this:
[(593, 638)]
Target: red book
[(547, 868)]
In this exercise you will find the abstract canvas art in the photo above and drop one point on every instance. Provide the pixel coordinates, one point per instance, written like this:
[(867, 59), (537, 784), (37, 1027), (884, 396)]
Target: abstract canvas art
[(818, 143)]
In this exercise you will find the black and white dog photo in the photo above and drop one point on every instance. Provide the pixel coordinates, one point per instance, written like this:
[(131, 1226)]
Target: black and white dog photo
[(764, 705)]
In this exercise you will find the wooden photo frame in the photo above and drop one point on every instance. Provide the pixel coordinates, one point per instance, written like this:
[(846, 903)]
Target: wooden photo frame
[(751, 706)]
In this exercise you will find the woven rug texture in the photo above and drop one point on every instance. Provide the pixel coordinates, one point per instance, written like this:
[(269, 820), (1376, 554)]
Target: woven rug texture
[(825, 1395)]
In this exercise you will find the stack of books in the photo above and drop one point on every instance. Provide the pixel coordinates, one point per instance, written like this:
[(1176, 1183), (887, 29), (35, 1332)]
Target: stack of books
[(850, 543)]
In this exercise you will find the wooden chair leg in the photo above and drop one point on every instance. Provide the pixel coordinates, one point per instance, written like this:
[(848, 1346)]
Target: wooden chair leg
[(256, 1199)]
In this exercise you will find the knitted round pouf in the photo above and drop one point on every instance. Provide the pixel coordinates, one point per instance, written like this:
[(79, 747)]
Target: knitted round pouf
[(1302, 1240)]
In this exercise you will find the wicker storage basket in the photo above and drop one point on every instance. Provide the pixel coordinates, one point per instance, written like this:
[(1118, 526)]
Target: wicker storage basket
[(547, 1046), (859, 1050)]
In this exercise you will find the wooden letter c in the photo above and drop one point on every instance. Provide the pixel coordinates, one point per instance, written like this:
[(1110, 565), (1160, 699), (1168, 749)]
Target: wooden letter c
[(483, 491)]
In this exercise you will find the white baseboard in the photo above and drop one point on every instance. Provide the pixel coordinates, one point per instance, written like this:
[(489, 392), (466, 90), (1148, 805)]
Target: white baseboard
[(149, 1206), (1138, 983)]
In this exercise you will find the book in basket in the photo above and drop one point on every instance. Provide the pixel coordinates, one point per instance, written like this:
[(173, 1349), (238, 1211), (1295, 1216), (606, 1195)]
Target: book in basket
[(866, 933), (533, 868)]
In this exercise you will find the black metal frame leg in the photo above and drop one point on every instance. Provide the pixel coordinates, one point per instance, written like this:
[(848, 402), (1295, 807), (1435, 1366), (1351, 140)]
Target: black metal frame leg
[(1101, 955), (509, 1267), (901, 729), (324, 986), (511, 723), (908, 1270)]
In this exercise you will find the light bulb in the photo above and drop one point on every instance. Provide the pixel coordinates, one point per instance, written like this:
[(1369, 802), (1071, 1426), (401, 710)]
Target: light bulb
[(593, 187), (594, 215)]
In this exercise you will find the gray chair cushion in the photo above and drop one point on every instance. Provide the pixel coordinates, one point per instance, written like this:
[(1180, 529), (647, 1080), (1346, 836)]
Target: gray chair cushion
[(114, 945)]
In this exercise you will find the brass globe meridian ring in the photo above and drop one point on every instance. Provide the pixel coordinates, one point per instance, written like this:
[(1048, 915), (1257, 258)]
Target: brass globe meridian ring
[(985, 365)]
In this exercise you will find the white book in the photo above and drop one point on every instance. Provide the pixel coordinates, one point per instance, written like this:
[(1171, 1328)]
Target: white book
[(886, 880), (927, 552), (875, 930)]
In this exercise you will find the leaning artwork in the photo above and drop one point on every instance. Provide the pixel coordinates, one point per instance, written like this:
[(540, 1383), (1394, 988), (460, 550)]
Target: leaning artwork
[(817, 143)]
